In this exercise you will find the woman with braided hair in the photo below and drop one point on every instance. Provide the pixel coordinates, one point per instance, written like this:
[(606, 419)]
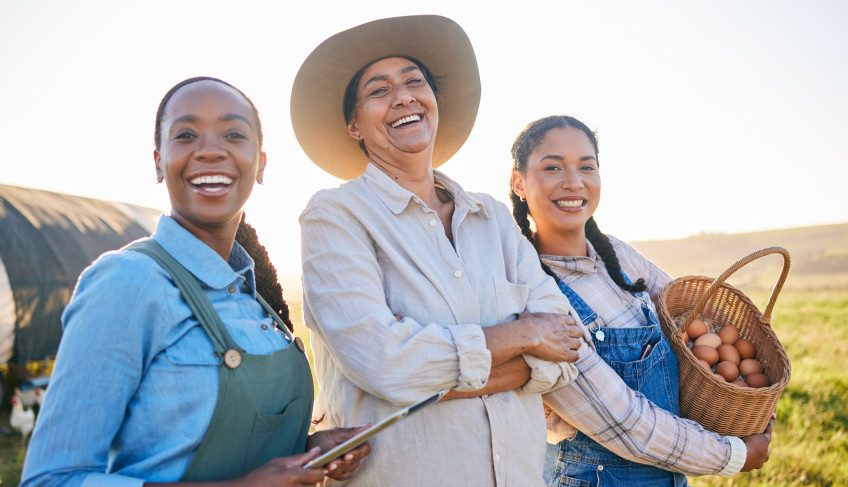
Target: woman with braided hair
[(172, 367), (624, 438)]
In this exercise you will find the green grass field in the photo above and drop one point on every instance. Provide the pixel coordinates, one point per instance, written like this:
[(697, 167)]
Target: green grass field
[(810, 442)]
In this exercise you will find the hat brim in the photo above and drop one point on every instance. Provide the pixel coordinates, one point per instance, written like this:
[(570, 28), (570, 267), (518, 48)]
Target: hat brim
[(318, 91)]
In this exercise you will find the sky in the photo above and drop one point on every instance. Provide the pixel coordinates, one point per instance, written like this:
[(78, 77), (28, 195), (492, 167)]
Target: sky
[(715, 116)]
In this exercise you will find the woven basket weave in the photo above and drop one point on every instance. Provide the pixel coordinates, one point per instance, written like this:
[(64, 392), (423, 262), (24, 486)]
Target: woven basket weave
[(718, 405)]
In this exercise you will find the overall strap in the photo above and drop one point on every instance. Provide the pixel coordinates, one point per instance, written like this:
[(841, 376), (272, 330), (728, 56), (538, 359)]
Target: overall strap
[(649, 313), (586, 313), (191, 292)]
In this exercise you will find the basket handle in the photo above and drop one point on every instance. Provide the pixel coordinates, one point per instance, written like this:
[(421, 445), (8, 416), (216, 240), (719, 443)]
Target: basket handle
[(765, 318)]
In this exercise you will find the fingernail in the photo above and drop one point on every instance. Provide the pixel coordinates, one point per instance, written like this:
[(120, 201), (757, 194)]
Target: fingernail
[(349, 456), (333, 466)]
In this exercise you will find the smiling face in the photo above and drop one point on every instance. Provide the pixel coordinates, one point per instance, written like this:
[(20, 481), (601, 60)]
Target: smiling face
[(209, 155), (562, 186), (396, 113)]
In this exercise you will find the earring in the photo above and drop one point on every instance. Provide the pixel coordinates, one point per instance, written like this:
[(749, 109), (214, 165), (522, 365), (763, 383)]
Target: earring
[(522, 199), (160, 179)]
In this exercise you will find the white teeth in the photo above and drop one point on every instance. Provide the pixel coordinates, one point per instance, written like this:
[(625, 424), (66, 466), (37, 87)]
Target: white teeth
[(411, 118), (217, 179), (569, 203)]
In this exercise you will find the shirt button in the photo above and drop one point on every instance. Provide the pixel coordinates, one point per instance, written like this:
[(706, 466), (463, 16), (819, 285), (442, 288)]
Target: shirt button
[(624, 302), (457, 274), (497, 458), (231, 289), (433, 223), (264, 327)]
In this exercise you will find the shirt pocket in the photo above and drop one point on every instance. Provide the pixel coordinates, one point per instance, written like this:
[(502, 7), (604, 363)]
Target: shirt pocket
[(193, 348), (510, 299)]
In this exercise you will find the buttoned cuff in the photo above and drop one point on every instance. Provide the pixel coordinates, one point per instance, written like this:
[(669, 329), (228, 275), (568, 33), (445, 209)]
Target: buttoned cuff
[(547, 376), (738, 455), (111, 480), (475, 360)]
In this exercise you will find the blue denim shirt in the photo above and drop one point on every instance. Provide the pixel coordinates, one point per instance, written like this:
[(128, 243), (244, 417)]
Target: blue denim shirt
[(135, 380)]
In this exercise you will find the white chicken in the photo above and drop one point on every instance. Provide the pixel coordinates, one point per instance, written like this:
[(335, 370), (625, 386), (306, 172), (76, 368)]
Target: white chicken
[(22, 420), (39, 396), (26, 397)]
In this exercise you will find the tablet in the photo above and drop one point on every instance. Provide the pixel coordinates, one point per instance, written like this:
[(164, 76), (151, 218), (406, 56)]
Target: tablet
[(363, 436)]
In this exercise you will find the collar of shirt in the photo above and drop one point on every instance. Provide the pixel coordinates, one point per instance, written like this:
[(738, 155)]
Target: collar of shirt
[(396, 198), (206, 265), (562, 264)]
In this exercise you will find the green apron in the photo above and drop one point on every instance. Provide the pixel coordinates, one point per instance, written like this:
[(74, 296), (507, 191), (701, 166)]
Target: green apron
[(264, 402)]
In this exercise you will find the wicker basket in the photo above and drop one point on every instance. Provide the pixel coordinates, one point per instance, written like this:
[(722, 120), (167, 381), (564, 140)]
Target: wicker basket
[(718, 405)]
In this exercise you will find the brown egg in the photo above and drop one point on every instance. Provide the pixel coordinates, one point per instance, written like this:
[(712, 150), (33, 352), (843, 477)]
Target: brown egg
[(757, 380), (740, 383), (709, 340), (704, 364), (696, 329), (728, 370), (728, 352), (728, 334), (750, 366), (745, 348), (707, 354)]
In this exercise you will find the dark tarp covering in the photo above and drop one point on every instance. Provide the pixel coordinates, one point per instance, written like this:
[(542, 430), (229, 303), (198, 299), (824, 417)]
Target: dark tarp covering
[(46, 240)]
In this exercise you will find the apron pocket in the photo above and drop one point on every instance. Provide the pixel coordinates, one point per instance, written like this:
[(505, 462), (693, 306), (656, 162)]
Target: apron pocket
[(277, 435)]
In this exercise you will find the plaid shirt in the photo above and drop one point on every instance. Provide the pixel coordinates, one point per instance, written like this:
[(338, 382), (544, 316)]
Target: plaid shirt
[(599, 403)]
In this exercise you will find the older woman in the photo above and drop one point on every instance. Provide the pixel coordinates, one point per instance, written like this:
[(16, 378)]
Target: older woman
[(411, 284)]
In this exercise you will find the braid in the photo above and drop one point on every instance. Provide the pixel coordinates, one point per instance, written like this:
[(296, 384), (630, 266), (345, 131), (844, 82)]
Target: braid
[(604, 248), (519, 213), (267, 284)]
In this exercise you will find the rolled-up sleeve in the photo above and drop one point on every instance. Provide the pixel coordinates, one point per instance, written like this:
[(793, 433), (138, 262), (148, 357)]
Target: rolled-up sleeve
[(544, 296), (600, 405), (400, 361)]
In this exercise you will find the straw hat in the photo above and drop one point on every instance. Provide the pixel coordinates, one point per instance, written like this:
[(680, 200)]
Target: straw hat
[(318, 91)]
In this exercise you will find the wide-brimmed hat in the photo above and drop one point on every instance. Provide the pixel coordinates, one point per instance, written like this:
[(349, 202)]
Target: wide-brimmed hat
[(318, 92)]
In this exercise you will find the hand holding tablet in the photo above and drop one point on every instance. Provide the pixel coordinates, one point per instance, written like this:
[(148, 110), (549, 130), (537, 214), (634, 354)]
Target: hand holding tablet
[(363, 436)]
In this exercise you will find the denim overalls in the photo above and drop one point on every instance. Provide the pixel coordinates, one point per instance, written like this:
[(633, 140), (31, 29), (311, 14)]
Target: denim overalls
[(583, 462)]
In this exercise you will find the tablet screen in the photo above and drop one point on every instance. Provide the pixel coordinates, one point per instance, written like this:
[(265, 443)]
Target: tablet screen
[(363, 436)]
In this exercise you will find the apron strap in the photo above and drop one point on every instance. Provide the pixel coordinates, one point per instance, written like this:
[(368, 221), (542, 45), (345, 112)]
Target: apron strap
[(277, 320), (191, 292)]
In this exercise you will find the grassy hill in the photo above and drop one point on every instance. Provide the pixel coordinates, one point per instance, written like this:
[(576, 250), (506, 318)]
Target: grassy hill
[(819, 257)]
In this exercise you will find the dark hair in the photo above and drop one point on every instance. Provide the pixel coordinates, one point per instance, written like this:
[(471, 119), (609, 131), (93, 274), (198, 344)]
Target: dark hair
[(160, 112), (349, 100), (267, 283), (526, 142)]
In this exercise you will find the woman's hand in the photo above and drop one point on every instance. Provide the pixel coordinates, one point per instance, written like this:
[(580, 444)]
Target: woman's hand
[(557, 336), (342, 468), (758, 448), (285, 471)]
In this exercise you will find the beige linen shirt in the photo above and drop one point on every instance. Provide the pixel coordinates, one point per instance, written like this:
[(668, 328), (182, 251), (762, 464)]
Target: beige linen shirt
[(372, 250)]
